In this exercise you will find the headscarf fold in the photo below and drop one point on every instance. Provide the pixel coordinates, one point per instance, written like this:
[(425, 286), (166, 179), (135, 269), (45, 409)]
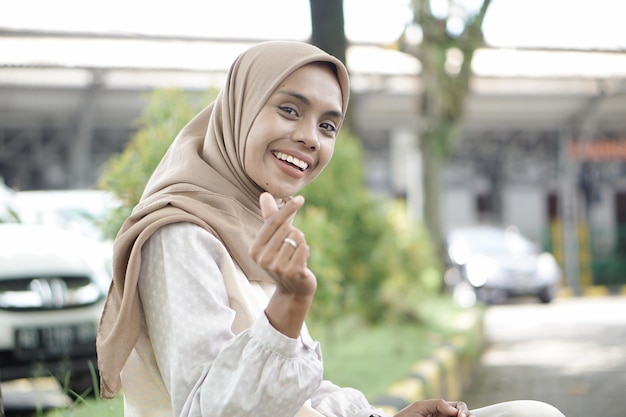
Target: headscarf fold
[(201, 180)]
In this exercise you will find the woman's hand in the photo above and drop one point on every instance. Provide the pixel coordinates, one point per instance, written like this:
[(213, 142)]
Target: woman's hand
[(281, 249), (435, 408)]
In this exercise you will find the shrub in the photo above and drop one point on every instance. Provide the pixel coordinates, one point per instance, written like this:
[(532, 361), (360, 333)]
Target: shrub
[(126, 174), (369, 257)]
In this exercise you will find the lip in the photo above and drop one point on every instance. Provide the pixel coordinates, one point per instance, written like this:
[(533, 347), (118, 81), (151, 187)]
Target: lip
[(290, 169), (304, 157)]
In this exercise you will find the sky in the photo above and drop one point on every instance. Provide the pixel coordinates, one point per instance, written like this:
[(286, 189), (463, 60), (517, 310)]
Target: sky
[(532, 23)]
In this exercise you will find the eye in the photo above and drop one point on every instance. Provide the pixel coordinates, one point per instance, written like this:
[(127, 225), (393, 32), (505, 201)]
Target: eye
[(329, 127), (288, 110)]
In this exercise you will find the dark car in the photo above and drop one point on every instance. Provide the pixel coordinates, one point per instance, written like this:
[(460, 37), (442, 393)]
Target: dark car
[(52, 289), (491, 264)]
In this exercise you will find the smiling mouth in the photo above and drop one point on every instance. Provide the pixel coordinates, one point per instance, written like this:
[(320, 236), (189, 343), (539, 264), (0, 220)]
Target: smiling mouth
[(298, 163)]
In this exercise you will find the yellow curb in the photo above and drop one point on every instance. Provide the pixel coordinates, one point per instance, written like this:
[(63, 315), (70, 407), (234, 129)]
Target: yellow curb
[(409, 389), (459, 343), (592, 291), (429, 370), (451, 372), (445, 375), (595, 291)]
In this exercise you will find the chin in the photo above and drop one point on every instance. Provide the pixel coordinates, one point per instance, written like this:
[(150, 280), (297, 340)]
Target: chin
[(287, 189), (284, 193)]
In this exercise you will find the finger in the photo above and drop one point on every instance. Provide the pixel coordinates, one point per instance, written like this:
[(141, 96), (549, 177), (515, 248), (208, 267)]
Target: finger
[(451, 411), (268, 205), (448, 408), (284, 216), (291, 260), (277, 224), (431, 408), (300, 254), (296, 203), (290, 242), (462, 407), (293, 247)]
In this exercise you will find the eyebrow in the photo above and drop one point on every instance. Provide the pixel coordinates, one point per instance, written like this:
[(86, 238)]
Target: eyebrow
[(306, 101)]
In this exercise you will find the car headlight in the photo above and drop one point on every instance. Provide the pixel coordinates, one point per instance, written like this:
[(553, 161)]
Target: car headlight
[(480, 269), (547, 268), (459, 253)]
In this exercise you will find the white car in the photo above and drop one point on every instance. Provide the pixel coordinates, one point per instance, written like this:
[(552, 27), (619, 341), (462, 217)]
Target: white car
[(491, 264), (52, 289), (76, 210), (82, 211)]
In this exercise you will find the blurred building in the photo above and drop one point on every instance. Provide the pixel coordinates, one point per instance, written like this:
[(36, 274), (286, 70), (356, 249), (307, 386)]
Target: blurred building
[(542, 142)]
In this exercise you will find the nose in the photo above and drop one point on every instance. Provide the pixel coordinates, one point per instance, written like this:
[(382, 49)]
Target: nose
[(307, 134)]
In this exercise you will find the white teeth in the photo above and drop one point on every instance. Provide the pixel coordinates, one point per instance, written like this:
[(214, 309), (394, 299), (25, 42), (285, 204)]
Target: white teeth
[(292, 160)]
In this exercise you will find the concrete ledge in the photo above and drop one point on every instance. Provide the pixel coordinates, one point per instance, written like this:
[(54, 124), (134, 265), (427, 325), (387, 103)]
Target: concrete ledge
[(593, 291)]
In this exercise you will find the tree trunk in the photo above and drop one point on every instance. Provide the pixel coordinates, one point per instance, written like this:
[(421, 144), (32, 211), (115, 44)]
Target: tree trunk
[(431, 186), (442, 99), (327, 31)]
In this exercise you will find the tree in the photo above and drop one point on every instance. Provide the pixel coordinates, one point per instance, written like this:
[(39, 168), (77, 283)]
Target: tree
[(356, 252), (126, 174), (369, 258), (327, 27), (449, 38), (327, 33)]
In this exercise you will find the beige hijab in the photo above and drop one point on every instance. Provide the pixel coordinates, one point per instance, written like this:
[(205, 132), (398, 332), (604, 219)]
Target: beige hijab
[(201, 180)]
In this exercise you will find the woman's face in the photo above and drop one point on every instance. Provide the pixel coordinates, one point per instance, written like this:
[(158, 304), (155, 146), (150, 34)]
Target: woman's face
[(293, 137)]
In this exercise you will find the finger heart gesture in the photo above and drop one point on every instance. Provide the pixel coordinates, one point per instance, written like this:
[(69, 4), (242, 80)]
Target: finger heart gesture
[(281, 249)]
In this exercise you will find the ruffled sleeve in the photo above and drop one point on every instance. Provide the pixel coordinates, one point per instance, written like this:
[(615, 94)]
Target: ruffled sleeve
[(334, 401)]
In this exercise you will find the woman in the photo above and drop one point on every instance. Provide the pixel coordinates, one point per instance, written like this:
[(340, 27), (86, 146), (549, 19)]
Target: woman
[(205, 315)]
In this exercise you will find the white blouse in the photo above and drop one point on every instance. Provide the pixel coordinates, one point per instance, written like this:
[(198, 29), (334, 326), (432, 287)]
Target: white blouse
[(207, 348)]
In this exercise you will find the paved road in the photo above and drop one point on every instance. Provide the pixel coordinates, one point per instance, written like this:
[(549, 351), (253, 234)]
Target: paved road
[(571, 353), (25, 396)]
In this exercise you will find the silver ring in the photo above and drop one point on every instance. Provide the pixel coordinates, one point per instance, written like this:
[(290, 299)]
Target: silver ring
[(291, 242)]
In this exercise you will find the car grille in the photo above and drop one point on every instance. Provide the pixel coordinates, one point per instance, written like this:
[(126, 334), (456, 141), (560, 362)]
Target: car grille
[(48, 293)]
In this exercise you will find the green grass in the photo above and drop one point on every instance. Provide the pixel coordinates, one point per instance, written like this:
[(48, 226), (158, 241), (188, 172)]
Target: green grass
[(368, 358), (372, 358), (91, 407)]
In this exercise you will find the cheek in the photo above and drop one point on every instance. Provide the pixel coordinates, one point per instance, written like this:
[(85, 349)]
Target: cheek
[(326, 153)]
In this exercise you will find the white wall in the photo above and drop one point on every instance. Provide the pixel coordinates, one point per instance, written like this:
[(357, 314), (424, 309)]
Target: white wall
[(406, 170), (458, 207), (602, 217), (526, 208)]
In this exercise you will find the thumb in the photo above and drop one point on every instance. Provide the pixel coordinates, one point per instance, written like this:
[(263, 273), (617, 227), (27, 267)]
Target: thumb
[(268, 205)]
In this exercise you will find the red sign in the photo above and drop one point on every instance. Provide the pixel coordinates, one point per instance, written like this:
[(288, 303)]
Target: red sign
[(604, 149)]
